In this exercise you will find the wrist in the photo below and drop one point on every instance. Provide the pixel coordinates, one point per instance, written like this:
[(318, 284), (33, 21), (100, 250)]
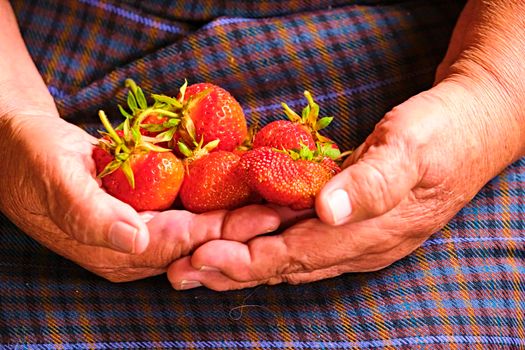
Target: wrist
[(488, 116)]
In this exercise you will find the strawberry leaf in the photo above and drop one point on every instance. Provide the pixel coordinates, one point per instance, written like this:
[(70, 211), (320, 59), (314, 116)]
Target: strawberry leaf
[(110, 168), (166, 135), (294, 117), (128, 172), (331, 152), (184, 149), (126, 127), (122, 157), (148, 146), (323, 123), (305, 153), (306, 113), (124, 112), (169, 101), (136, 135), (183, 90), (141, 99), (189, 127), (293, 154), (172, 122), (211, 145), (313, 109), (132, 103), (153, 127)]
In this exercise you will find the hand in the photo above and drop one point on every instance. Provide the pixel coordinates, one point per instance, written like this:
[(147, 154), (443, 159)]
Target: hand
[(424, 161), (49, 189)]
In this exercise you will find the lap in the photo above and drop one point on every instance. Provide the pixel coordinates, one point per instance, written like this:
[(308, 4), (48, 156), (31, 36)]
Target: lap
[(462, 289)]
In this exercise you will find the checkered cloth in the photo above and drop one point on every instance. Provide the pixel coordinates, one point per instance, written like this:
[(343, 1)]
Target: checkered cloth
[(462, 289)]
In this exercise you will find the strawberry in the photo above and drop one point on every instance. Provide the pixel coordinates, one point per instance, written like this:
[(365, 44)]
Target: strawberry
[(212, 182), (201, 110), (295, 132), (213, 114), (284, 134), (139, 173), (285, 177)]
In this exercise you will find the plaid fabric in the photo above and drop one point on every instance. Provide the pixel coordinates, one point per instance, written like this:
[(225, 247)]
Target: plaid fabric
[(463, 289)]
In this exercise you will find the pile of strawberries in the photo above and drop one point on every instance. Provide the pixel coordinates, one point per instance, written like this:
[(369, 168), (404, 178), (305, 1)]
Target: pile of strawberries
[(196, 151)]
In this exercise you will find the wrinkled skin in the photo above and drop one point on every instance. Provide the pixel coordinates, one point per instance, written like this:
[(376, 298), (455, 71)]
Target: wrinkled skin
[(48, 186), (50, 191), (423, 162)]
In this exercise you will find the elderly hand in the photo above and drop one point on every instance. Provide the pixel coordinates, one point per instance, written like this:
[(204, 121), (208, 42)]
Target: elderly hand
[(49, 189), (424, 161)]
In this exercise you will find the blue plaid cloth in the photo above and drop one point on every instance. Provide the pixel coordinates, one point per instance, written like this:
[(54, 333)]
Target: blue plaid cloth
[(462, 289)]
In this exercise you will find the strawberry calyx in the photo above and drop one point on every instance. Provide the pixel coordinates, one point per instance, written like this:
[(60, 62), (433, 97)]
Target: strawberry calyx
[(309, 118), (122, 144), (164, 107), (198, 151), (322, 151)]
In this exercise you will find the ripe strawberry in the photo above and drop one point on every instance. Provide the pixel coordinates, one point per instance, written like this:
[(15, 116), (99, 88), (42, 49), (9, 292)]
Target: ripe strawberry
[(295, 132), (212, 183), (287, 178), (139, 173), (284, 134), (215, 115), (201, 111)]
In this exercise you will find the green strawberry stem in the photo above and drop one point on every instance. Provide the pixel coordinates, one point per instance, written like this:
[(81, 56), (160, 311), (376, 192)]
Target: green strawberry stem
[(112, 133), (294, 117), (309, 117)]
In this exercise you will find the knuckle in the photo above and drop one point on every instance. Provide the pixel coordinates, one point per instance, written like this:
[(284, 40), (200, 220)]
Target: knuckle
[(376, 198)]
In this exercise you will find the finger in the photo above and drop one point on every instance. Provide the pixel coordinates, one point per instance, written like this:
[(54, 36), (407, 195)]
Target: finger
[(247, 222), (389, 163), (267, 257), (183, 276), (372, 186), (93, 217), (175, 233), (69, 191), (289, 216), (306, 252)]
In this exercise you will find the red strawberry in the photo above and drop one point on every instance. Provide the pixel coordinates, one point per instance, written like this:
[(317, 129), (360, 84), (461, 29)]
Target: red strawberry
[(287, 178), (212, 183), (201, 111), (284, 134), (299, 130), (215, 115), (139, 173)]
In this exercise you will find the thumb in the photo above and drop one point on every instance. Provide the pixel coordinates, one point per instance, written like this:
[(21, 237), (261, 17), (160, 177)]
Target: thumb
[(384, 169), (93, 217)]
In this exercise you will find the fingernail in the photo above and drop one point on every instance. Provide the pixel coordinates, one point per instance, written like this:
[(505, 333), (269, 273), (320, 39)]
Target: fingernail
[(339, 204), (189, 284), (146, 217), (208, 269), (122, 237)]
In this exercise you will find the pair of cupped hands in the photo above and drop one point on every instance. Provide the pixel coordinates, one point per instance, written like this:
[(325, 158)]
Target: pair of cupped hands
[(423, 162)]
